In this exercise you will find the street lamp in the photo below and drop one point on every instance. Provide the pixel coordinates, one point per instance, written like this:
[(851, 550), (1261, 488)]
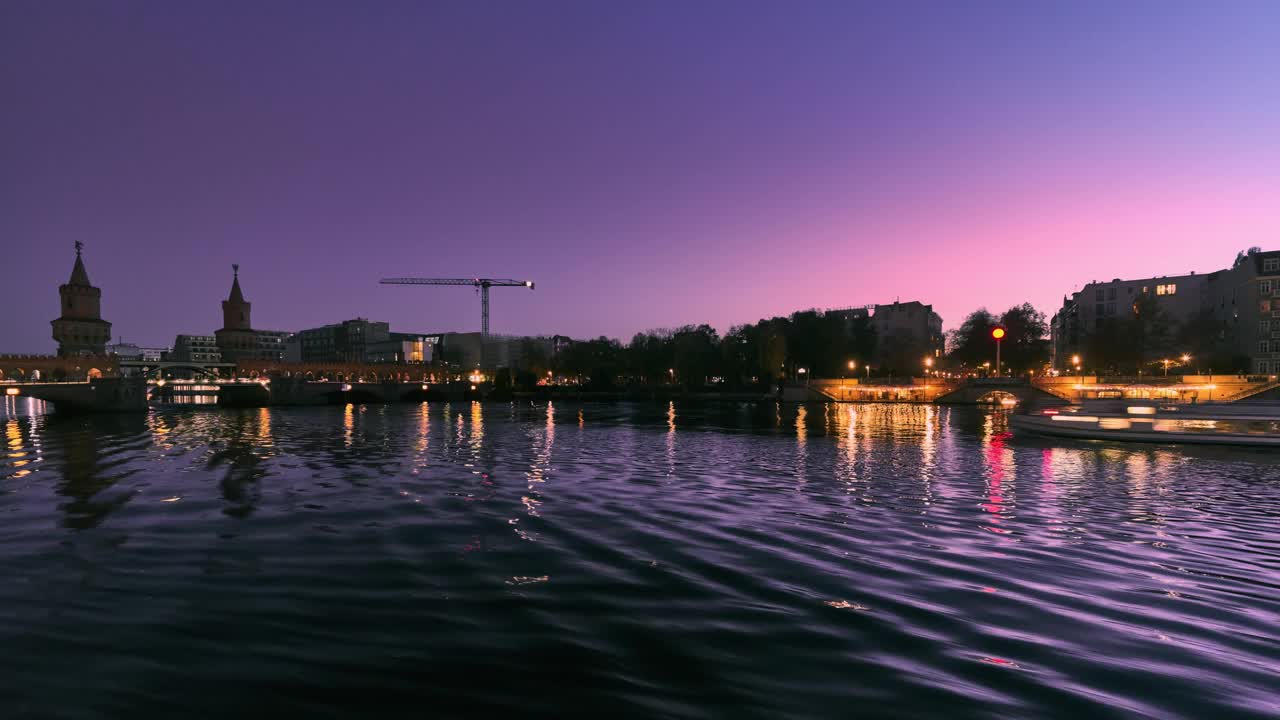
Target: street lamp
[(998, 333), (1075, 360), (1186, 359), (1166, 362), (805, 372), (843, 391), (928, 364)]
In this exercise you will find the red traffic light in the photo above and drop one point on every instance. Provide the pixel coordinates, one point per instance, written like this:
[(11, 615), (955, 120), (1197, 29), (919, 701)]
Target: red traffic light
[(997, 333)]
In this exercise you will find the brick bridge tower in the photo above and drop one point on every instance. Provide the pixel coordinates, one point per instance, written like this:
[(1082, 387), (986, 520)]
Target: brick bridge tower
[(236, 339), (80, 330)]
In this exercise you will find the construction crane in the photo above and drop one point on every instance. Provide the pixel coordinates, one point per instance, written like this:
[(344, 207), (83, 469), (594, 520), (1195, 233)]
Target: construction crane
[(482, 285)]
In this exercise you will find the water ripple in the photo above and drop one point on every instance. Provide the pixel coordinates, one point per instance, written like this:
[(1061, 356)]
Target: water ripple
[(744, 560)]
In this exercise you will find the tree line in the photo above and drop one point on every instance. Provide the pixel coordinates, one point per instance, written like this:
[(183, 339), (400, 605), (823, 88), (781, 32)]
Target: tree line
[(748, 357)]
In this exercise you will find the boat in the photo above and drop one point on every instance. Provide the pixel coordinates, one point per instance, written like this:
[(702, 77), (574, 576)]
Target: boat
[(1200, 424)]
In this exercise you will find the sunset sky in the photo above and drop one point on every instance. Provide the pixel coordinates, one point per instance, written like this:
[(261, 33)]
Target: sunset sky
[(648, 164)]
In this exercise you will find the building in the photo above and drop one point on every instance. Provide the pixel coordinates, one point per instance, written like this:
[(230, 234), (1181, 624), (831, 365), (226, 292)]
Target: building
[(80, 329), (130, 351), (1224, 318), (475, 350), (1244, 306), (195, 349), (404, 348), (236, 339), (347, 341), (1180, 298), (906, 333), (271, 344)]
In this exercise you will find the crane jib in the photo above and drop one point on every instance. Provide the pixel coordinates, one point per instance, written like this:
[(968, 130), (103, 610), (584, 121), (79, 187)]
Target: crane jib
[(482, 284)]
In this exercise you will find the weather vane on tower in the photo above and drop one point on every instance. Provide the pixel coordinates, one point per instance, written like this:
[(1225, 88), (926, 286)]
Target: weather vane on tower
[(79, 247)]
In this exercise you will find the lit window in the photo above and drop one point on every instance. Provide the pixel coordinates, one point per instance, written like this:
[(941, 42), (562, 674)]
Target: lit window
[(1265, 306), (1170, 289)]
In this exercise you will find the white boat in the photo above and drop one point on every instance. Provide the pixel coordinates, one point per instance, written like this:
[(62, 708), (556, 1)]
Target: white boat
[(1207, 424)]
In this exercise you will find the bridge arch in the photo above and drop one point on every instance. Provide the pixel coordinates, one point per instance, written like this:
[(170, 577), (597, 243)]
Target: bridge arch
[(158, 371), (999, 397)]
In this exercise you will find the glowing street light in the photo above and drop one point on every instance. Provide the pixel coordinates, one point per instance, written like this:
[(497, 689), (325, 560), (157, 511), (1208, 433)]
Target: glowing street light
[(997, 333), (1075, 360)]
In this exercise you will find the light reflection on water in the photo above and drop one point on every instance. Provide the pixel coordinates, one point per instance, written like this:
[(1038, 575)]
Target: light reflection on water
[(675, 560)]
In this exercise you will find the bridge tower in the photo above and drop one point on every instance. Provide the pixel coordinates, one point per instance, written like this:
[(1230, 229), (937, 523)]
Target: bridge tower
[(80, 329), (236, 340)]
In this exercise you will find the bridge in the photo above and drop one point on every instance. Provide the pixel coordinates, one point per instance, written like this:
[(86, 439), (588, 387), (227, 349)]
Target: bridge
[(1002, 391), (96, 395), (137, 393), (1050, 390), (973, 391)]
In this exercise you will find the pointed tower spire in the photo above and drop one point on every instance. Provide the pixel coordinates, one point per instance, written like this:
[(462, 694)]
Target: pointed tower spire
[(236, 295), (79, 276)]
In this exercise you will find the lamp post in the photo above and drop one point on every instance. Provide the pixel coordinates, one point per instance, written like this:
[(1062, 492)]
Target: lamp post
[(805, 373), (1075, 360), (998, 333), (1166, 366), (1187, 359), (843, 391), (928, 365)]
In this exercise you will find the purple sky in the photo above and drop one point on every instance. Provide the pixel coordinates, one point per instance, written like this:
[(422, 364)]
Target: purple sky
[(649, 164)]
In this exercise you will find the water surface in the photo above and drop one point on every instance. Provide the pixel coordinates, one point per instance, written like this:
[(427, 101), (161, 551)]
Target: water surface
[(652, 560)]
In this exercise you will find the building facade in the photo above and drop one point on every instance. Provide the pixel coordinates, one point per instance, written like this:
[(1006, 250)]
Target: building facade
[(1180, 297), (270, 344), (906, 333), (1244, 303), (131, 351), (1229, 317), (404, 348), (195, 349), (80, 329), (347, 341)]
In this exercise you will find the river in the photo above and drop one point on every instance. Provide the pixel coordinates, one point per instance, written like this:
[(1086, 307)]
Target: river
[(734, 560)]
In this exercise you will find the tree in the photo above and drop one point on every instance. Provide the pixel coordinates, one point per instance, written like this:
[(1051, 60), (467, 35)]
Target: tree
[(1150, 331), (971, 344), (594, 362), (696, 354), (1025, 345), (650, 356), (1243, 256)]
